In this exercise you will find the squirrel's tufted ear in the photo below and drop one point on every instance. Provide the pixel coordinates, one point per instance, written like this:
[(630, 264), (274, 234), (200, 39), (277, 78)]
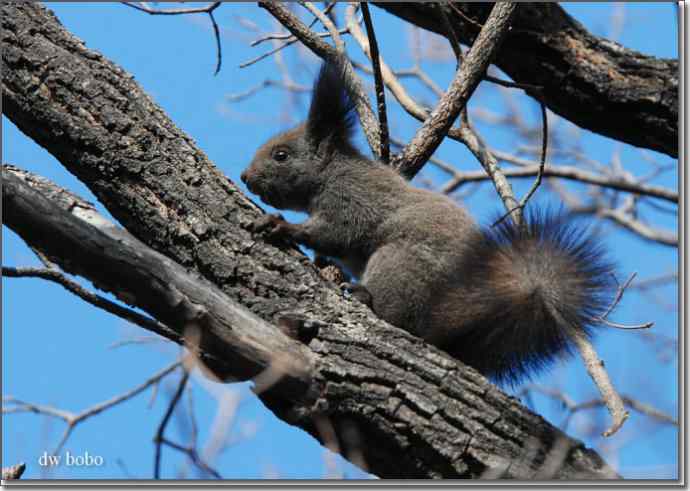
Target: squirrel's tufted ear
[(331, 114)]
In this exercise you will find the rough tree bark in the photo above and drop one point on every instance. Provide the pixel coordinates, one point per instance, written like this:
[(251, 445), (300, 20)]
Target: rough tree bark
[(595, 83), (417, 412)]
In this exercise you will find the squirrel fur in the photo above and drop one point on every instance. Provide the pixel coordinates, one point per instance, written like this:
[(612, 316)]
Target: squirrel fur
[(506, 300)]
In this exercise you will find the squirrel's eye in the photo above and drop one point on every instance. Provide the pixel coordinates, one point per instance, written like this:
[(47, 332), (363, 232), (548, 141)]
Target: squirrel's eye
[(280, 155)]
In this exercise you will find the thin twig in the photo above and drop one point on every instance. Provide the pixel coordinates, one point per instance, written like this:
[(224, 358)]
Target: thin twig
[(328, 24), (194, 456), (194, 10), (216, 32), (627, 221), (158, 439), (291, 87), (540, 171), (72, 419), (384, 151), (328, 53), (452, 38), (574, 407), (530, 168), (290, 40), (92, 298)]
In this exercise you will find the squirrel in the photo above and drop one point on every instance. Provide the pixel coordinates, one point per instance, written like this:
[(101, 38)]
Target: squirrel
[(506, 300)]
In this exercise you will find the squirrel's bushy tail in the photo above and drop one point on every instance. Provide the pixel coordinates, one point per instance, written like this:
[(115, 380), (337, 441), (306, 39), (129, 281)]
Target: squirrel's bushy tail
[(531, 291)]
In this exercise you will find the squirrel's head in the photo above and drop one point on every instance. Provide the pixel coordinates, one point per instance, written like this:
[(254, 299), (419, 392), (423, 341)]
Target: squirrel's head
[(287, 170)]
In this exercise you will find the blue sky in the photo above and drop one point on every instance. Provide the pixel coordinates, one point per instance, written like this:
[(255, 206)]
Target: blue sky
[(72, 366)]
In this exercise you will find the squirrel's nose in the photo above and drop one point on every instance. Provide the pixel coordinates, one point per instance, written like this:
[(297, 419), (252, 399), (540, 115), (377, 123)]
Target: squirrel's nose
[(243, 176)]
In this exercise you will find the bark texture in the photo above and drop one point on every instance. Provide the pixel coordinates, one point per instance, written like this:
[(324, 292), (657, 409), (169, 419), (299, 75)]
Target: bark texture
[(595, 83), (399, 407)]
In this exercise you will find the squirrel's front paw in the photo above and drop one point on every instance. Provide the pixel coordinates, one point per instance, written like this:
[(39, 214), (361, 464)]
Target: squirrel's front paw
[(273, 226)]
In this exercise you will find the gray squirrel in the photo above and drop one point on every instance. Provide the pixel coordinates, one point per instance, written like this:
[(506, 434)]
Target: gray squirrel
[(506, 300)]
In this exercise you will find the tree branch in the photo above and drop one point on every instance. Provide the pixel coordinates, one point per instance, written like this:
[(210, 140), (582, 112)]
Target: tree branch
[(433, 131), (565, 172), (13, 405), (90, 297), (629, 96), (423, 413), (119, 263)]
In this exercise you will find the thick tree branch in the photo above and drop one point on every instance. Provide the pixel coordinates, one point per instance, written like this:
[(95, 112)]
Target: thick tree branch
[(234, 341), (628, 96), (419, 412)]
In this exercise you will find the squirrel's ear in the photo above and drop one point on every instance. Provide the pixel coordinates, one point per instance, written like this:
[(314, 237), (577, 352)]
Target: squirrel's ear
[(331, 114)]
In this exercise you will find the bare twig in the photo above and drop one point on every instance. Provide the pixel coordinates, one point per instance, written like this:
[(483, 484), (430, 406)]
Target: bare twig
[(550, 170), (327, 23), (291, 87), (384, 151), (595, 368), (158, 438), (143, 6), (540, 171), (281, 36), (290, 40), (574, 407), (92, 298), (618, 297), (216, 33), (72, 419), (452, 38), (655, 281), (643, 230), (328, 53), (194, 457)]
